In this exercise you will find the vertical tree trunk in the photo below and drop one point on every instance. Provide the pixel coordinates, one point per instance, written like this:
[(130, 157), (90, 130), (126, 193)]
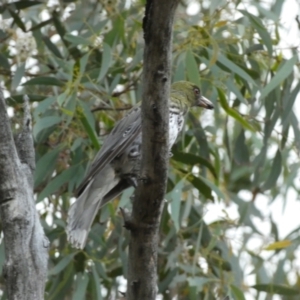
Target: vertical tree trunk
[(26, 246), (149, 196)]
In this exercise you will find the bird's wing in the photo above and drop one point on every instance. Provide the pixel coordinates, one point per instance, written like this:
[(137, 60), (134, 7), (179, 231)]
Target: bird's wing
[(123, 134)]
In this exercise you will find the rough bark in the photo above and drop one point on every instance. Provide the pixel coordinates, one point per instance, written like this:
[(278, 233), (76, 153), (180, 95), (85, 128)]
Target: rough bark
[(149, 196), (26, 247)]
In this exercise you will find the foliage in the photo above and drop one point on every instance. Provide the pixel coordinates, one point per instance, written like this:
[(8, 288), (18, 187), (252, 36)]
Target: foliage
[(80, 62)]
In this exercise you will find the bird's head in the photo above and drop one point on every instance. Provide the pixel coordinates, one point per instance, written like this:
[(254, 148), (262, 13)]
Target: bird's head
[(191, 93)]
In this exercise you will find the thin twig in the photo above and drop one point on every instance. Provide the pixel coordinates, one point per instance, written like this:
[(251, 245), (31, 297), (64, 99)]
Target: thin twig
[(97, 108)]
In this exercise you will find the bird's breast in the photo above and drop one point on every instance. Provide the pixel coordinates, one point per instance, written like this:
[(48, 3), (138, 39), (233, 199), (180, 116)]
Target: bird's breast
[(175, 126)]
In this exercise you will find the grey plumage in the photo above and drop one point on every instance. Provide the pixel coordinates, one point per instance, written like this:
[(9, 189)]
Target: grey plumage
[(112, 171), (117, 164)]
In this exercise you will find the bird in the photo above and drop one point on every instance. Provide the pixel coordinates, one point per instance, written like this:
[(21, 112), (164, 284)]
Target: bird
[(117, 164)]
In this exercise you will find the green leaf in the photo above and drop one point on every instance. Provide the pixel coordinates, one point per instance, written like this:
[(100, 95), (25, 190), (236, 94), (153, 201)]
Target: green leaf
[(213, 187), (2, 258), (199, 135), (57, 182), (175, 203), (97, 283), (275, 172), (192, 159), (4, 63), (278, 245), (83, 63), (17, 19), (233, 67), (233, 88), (199, 282), (285, 70), (13, 99), (232, 112), (276, 289), (239, 295), (61, 285), (192, 68), (117, 32), (18, 76), (40, 25), (76, 39), (137, 59), (43, 123), (61, 30), (44, 106), (241, 152), (254, 48), (81, 284), (62, 264), (260, 28), (88, 123), (202, 186), (106, 61), (52, 47), (23, 4), (46, 165), (44, 81), (288, 106)]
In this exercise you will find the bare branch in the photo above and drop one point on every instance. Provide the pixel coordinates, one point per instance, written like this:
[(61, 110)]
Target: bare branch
[(147, 204), (97, 108), (8, 156), (25, 244), (24, 140)]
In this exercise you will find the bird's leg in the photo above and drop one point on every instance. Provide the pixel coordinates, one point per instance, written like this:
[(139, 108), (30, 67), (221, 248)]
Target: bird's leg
[(128, 224), (131, 179)]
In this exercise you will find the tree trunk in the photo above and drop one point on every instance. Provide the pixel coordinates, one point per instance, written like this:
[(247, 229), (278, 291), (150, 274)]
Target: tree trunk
[(149, 196), (26, 247)]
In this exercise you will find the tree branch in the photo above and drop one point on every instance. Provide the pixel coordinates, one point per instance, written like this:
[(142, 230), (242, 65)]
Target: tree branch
[(26, 246), (148, 200)]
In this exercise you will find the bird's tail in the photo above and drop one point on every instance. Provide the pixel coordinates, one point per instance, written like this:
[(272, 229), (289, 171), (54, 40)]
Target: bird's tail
[(82, 213)]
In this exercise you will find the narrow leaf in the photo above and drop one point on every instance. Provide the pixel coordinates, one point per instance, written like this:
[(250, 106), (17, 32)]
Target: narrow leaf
[(260, 28), (17, 19), (97, 283), (232, 112), (275, 172), (279, 77), (81, 286), (202, 186), (45, 165), (239, 295), (279, 245), (44, 81), (233, 67), (76, 39), (43, 123), (192, 159), (24, 4), (175, 196), (288, 105), (52, 47), (18, 76), (276, 289), (241, 152), (57, 182), (213, 187), (192, 68), (62, 264), (106, 61), (88, 123)]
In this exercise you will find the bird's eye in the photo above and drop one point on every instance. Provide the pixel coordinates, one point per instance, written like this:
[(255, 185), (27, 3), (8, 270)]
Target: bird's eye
[(197, 91)]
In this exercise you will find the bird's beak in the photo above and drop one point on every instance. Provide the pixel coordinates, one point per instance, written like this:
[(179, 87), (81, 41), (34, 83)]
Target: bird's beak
[(204, 102)]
